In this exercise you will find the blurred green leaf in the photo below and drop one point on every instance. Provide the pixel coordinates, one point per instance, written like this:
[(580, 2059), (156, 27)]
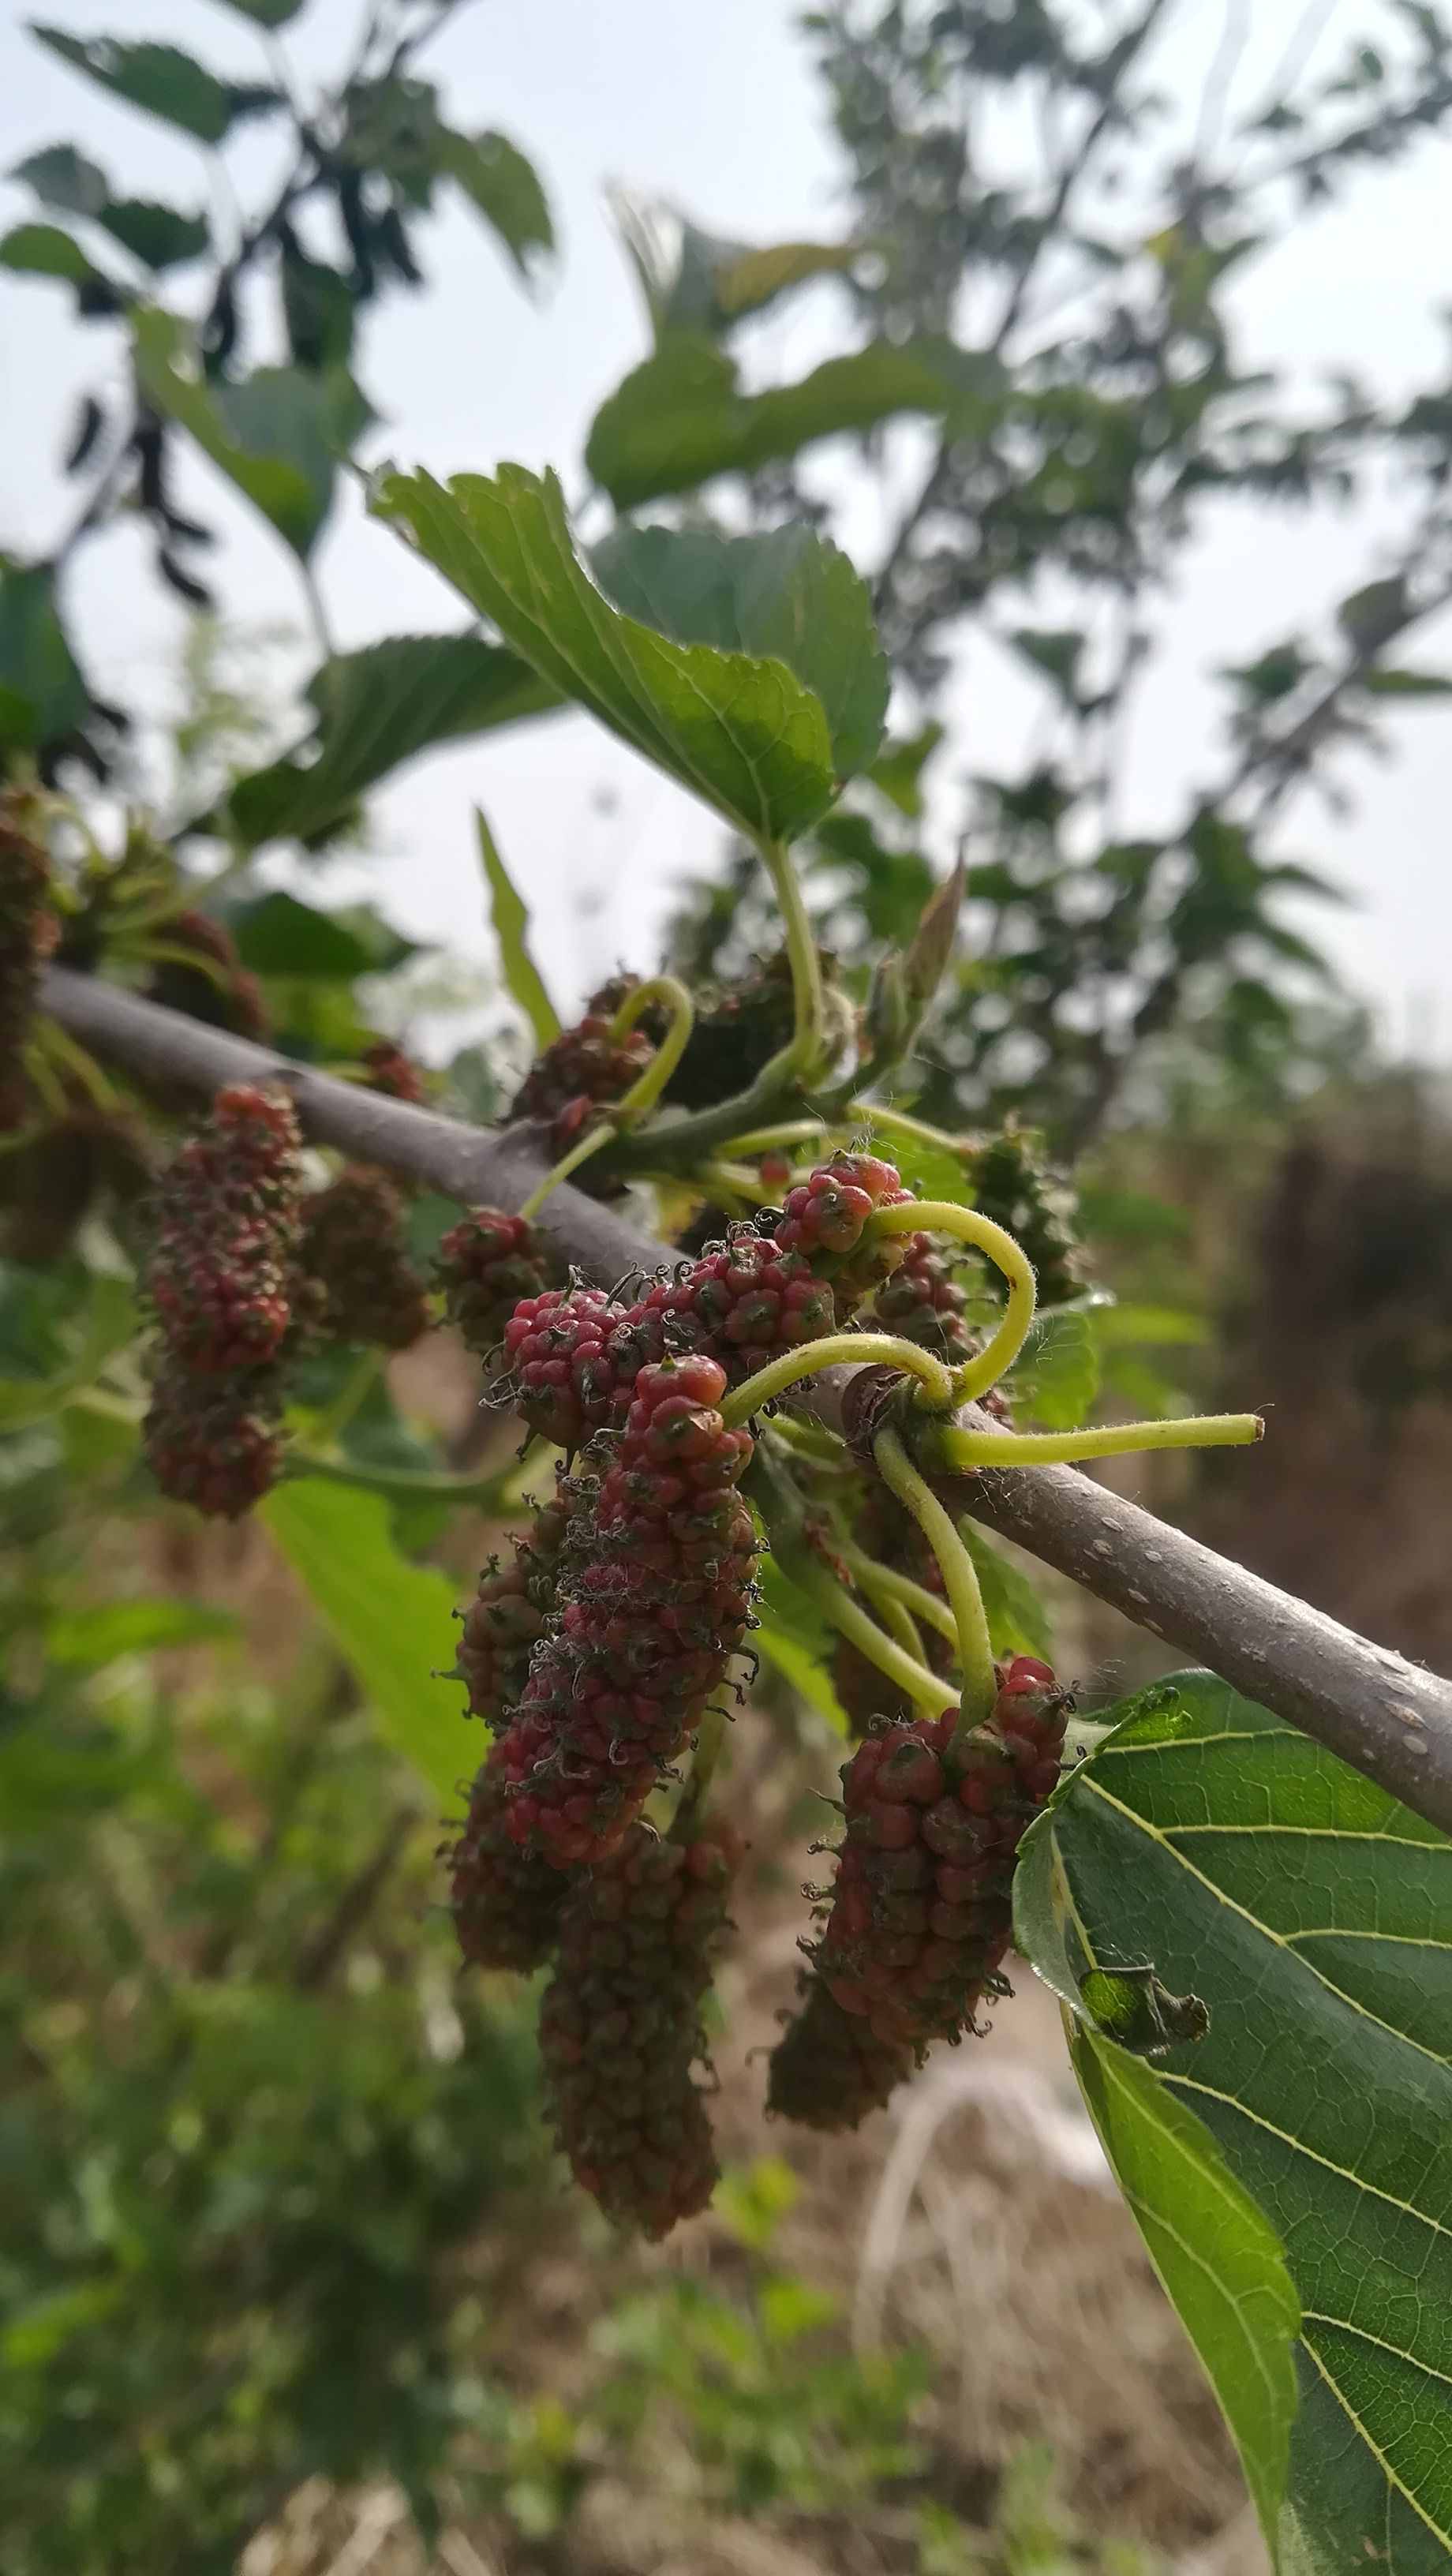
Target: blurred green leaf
[(740, 732), (163, 80), (98, 1634), (1018, 1623), (1407, 684), (43, 250), (1117, 1326), (159, 236), (42, 694), (61, 176), (1056, 1378), (510, 918), (681, 418), (790, 593), (389, 1618), (266, 13), (376, 710), (277, 434), (897, 772), (495, 175), (794, 1637), (278, 935)]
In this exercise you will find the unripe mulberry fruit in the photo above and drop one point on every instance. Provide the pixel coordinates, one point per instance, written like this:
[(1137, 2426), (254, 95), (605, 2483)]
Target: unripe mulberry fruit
[(584, 1069), (214, 1443), (508, 1615), (484, 1266), (825, 1220), (923, 1303), (353, 1247), (28, 934), (226, 1234), (919, 1917), (829, 2069), (556, 1347), (654, 1601), (218, 989), (620, 2026), (506, 1902), (393, 1073), (1015, 1186)]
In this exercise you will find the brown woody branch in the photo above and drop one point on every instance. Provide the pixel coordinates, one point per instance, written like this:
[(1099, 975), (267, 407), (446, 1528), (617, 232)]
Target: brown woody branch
[(1384, 1716)]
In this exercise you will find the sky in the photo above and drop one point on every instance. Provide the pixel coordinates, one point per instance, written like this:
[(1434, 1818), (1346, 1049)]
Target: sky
[(718, 110)]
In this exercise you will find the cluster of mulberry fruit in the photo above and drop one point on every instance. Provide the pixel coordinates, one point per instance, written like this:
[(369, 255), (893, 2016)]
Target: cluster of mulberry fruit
[(222, 1280), (207, 980), (509, 1614), (355, 1252), (620, 2025), (1015, 1186), (484, 1266), (652, 1604), (585, 1069), (28, 934), (918, 1918)]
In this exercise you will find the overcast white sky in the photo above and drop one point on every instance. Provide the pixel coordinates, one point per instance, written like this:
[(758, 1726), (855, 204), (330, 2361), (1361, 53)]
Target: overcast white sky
[(718, 109)]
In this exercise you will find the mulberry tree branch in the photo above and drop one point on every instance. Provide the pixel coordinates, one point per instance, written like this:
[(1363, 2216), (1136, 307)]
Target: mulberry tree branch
[(1384, 1716)]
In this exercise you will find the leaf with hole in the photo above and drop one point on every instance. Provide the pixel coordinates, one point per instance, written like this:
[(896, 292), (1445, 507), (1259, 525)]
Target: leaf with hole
[(738, 730), (376, 710), (1310, 1913)]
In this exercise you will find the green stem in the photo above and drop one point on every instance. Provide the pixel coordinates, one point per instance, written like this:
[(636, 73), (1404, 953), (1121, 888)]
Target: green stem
[(914, 1131), (900, 1623), (888, 1584), (580, 1152), (958, 1449), (801, 1058), (940, 1216), (497, 1495), (646, 1090), (883, 1350), (960, 1579), (355, 1390), (913, 1679), (787, 1131)]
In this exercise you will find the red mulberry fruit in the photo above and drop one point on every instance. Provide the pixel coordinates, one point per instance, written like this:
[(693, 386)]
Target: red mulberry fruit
[(508, 1615), (353, 1248), (829, 2069), (393, 1073), (214, 1444), (584, 1068), (485, 1265), (825, 1218), (506, 1902), (620, 2027), (226, 1235), (565, 1383)]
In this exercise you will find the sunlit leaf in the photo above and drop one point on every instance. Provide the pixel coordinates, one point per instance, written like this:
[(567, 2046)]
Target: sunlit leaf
[(510, 918)]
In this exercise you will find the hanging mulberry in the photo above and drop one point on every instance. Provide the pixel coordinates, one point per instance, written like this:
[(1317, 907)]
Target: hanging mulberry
[(354, 1249), (620, 2026), (28, 934), (507, 1616), (393, 1073), (485, 1265), (565, 1383), (226, 1235), (655, 1601), (829, 2069), (1014, 1185), (919, 1916), (584, 1069), (217, 989), (214, 1443), (506, 1902)]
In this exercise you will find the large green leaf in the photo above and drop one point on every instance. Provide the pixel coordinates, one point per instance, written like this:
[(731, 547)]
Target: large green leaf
[(377, 709), (498, 180), (163, 80), (1237, 1861), (681, 417), (278, 935), (510, 918), (740, 731), (392, 1621), (277, 434), (790, 593)]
